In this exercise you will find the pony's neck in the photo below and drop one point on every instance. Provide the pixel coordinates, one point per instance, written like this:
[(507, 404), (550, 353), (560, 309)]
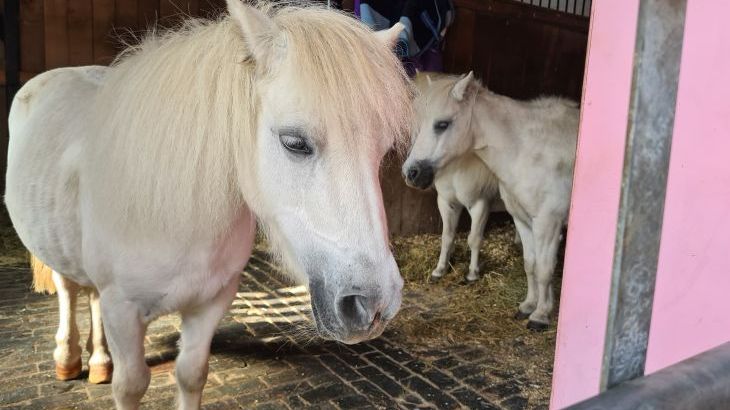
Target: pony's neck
[(491, 125)]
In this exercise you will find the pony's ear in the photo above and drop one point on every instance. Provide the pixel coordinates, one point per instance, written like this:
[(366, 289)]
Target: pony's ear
[(429, 81), (464, 87), (257, 29), (390, 36)]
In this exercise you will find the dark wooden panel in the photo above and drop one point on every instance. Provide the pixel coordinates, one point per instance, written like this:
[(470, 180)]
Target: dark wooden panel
[(56, 33), (104, 50), (211, 8), (32, 37), (148, 11), (518, 50), (460, 40), (125, 16), (80, 32)]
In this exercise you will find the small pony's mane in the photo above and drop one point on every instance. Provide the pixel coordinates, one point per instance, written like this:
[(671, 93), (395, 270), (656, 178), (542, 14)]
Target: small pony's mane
[(175, 119)]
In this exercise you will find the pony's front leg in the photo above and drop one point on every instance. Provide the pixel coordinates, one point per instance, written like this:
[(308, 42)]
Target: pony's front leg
[(528, 256), (196, 334), (100, 363), (450, 213), (125, 329), (479, 214), (68, 352)]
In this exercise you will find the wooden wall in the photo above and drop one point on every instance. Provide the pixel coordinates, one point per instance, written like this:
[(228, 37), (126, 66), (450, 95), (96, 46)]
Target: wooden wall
[(57, 33), (518, 50)]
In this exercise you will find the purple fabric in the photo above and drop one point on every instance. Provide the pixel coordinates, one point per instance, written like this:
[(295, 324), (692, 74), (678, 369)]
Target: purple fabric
[(430, 60)]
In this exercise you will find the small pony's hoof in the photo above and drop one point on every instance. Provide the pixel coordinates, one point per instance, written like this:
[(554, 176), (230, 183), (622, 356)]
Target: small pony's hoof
[(519, 315), (471, 278), (100, 373), (64, 373), (435, 278), (537, 326)]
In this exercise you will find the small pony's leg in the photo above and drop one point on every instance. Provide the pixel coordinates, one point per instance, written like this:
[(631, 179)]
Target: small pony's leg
[(100, 363), (196, 334), (125, 331), (546, 232), (68, 352), (450, 213), (479, 214), (528, 254)]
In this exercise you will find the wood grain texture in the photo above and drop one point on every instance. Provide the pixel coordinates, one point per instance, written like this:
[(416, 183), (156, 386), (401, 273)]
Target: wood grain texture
[(80, 22), (55, 15), (32, 36), (104, 50)]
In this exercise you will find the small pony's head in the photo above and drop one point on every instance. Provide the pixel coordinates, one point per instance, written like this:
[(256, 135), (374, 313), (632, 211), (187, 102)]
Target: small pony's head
[(442, 126), (332, 100)]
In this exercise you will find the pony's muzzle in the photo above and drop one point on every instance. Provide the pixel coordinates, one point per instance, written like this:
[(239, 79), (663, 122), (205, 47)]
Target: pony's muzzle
[(420, 175)]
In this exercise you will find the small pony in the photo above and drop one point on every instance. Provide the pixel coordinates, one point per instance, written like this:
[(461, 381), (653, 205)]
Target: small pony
[(528, 145)]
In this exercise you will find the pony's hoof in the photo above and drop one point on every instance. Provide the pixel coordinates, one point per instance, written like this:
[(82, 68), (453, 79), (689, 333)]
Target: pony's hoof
[(537, 326), (64, 373), (435, 276), (519, 315), (471, 277), (100, 373)]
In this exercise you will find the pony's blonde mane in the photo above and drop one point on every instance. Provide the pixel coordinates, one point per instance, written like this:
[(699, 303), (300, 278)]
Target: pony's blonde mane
[(175, 120)]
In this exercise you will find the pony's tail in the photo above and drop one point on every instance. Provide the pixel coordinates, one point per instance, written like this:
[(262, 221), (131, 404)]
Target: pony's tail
[(42, 276)]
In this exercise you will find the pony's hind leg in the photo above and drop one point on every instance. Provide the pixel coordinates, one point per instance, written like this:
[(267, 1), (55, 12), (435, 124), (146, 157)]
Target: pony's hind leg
[(100, 363), (479, 214), (196, 334), (125, 329), (68, 352), (546, 233)]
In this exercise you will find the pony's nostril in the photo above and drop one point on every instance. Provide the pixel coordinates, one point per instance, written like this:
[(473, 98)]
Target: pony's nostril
[(412, 173), (355, 311)]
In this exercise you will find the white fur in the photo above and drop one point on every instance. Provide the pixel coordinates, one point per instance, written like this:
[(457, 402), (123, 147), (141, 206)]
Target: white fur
[(464, 183), (528, 145), (142, 179)]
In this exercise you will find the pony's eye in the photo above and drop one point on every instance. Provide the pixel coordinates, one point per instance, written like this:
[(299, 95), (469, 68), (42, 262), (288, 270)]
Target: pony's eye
[(441, 126), (296, 144)]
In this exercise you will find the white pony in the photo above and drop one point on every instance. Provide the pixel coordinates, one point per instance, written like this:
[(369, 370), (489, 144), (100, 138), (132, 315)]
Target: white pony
[(462, 182), (528, 145), (143, 180)]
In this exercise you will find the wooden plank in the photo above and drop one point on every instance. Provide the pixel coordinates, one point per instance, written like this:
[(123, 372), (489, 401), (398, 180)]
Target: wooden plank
[(174, 11), (56, 33), (513, 9), (104, 50), (32, 37), (125, 17), (80, 32), (212, 8), (148, 12), (460, 42)]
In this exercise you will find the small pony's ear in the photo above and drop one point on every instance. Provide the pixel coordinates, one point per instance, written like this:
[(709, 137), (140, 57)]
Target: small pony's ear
[(257, 29), (429, 81), (390, 36), (463, 87)]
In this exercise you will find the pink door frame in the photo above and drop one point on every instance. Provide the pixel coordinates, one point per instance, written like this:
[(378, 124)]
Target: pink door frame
[(694, 260)]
